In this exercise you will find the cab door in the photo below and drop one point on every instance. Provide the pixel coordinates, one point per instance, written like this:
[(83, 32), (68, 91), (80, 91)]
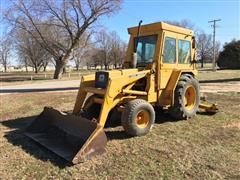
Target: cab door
[(168, 59), (185, 52)]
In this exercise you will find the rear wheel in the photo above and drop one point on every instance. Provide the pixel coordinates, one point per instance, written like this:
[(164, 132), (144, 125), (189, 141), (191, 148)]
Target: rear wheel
[(138, 117), (186, 98)]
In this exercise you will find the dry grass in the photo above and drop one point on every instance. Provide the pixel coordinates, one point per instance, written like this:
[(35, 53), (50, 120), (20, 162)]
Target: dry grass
[(205, 147), (224, 75), (15, 78), (23, 78)]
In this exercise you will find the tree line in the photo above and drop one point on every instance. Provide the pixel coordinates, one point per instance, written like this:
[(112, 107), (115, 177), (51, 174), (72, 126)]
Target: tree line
[(57, 32), (57, 27), (93, 50)]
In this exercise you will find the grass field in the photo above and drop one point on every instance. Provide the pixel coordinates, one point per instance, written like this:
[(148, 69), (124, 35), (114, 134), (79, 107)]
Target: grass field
[(224, 75), (15, 78), (205, 147)]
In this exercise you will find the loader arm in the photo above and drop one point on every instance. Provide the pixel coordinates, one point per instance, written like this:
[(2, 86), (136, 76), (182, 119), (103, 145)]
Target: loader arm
[(86, 81), (116, 91)]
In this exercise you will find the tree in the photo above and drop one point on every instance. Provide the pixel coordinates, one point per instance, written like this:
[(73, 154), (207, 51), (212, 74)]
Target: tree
[(23, 60), (98, 58), (5, 50), (204, 47), (46, 60), (30, 51), (229, 57), (111, 49), (69, 19), (117, 51), (186, 23), (104, 45), (82, 50)]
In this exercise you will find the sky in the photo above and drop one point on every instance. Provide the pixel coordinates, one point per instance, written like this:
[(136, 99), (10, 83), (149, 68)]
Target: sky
[(199, 12)]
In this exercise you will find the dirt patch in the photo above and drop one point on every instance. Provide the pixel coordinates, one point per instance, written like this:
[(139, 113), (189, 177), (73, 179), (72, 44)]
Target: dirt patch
[(232, 125), (220, 87)]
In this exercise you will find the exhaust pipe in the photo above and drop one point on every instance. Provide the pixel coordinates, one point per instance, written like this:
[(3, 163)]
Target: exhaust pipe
[(134, 56), (134, 60)]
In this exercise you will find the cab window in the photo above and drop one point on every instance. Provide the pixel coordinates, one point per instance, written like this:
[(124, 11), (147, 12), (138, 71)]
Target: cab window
[(169, 54), (184, 55), (145, 48)]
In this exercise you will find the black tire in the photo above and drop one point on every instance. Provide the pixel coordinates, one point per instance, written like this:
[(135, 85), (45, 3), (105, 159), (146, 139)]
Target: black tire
[(141, 111), (114, 118), (92, 111), (186, 98)]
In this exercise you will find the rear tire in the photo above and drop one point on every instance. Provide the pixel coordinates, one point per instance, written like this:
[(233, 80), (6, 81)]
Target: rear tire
[(186, 98), (138, 117)]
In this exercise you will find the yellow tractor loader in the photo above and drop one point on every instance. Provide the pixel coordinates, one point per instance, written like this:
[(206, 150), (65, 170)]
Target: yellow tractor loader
[(159, 71)]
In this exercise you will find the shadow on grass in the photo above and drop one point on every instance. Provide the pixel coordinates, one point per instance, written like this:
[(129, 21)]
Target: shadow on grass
[(161, 117), (114, 121), (37, 90), (207, 113), (119, 135), (17, 138)]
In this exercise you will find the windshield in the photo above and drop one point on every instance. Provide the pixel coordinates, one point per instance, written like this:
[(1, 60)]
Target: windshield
[(145, 48)]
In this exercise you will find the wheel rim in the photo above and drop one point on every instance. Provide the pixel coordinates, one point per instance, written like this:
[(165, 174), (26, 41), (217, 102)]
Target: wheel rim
[(142, 119), (190, 98)]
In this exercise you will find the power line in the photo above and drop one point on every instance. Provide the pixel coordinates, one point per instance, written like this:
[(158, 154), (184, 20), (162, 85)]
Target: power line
[(214, 34)]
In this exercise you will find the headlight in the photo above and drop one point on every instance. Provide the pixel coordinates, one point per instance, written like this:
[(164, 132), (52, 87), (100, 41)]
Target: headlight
[(101, 79)]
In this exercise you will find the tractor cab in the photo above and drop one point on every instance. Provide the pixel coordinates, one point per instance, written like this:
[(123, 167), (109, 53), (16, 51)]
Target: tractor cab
[(166, 46)]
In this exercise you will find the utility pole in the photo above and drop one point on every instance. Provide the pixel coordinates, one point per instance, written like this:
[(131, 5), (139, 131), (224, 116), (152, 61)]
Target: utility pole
[(214, 34)]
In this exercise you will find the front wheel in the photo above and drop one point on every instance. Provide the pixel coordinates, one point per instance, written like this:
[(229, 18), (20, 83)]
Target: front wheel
[(138, 117)]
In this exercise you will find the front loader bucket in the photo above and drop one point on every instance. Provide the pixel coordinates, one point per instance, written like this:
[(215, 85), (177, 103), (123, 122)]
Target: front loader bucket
[(72, 137)]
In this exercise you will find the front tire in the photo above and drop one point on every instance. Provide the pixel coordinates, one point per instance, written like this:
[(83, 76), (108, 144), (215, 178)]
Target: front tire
[(186, 98), (138, 117)]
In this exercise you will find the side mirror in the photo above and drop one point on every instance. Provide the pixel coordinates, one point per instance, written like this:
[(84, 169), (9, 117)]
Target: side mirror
[(193, 42)]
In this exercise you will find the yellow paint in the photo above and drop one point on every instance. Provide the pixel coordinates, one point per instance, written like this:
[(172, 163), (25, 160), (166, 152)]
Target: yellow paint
[(142, 119), (161, 78), (167, 94), (190, 98)]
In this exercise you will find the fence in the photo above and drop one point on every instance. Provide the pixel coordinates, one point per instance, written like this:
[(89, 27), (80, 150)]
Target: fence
[(22, 76)]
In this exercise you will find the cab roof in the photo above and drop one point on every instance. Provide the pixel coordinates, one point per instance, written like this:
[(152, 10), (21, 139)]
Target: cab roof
[(160, 26)]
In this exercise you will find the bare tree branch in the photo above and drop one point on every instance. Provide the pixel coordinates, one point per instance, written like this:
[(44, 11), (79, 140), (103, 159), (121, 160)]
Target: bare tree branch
[(59, 25)]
